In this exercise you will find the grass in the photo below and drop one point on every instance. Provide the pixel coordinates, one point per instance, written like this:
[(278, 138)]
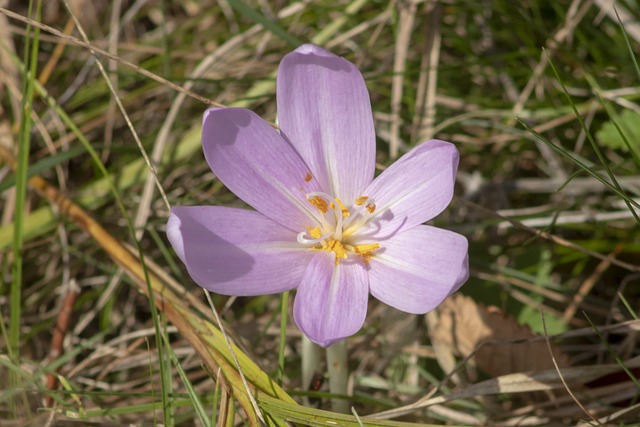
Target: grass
[(102, 324)]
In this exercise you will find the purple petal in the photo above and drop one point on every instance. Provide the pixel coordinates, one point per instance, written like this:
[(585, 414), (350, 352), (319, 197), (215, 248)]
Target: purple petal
[(258, 165), (331, 302), (235, 251), (415, 270), (414, 189), (325, 111)]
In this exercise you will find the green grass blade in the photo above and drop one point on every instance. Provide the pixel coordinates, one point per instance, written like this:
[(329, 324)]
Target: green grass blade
[(259, 18), (43, 165), (195, 399), (615, 119), (591, 140), (24, 147), (582, 165), (628, 44)]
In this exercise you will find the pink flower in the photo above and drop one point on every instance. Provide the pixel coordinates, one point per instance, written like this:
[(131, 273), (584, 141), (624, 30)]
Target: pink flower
[(321, 223)]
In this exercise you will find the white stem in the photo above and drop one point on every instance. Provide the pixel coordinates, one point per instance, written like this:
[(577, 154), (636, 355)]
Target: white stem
[(311, 354), (337, 364)]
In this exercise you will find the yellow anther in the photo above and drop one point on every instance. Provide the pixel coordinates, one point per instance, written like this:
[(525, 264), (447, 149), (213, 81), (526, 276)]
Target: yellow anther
[(367, 247), (320, 203), (308, 177), (343, 208), (316, 233), (360, 200), (335, 246), (371, 207), (366, 251), (332, 206)]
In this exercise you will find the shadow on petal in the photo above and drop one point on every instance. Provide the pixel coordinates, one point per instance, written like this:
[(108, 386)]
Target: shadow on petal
[(236, 251), (228, 134), (211, 259)]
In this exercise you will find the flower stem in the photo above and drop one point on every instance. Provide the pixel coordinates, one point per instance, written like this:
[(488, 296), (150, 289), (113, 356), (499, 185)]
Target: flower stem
[(311, 354), (337, 364), (283, 334)]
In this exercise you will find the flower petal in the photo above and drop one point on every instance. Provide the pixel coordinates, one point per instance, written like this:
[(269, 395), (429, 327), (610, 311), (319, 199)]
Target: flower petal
[(415, 270), (236, 251), (325, 112), (331, 302), (414, 189), (258, 165)]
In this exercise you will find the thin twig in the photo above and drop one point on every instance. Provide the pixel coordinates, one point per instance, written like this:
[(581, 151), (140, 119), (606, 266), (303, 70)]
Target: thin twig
[(564, 383)]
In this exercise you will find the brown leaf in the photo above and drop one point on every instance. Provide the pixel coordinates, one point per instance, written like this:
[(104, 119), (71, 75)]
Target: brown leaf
[(463, 326)]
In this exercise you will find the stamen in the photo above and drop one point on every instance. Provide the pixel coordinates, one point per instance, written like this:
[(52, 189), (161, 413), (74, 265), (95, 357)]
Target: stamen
[(366, 251), (343, 208), (336, 246), (341, 228), (367, 247), (317, 238), (320, 203), (314, 232), (360, 200)]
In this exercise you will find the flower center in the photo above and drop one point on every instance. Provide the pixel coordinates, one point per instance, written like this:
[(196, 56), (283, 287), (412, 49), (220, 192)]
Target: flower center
[(338, 228)]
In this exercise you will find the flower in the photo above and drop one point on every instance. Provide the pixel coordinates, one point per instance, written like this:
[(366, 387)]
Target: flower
[(322, 223)]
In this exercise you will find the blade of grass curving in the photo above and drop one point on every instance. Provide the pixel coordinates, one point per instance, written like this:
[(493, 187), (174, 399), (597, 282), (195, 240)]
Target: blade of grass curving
[(590, 138), (613, 115), (628, 44), (579, 163), (268, 24), (284, 307)]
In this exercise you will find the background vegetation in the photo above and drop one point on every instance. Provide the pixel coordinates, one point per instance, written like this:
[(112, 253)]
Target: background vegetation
[(102, 326)]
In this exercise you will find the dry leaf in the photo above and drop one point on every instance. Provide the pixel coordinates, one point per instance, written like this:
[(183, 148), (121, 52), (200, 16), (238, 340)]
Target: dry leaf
[(463, 326)]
